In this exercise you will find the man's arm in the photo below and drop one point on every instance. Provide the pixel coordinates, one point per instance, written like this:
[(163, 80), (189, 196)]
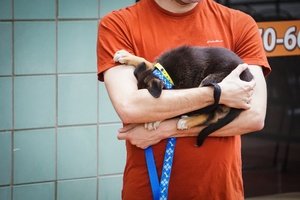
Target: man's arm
[(248, 121), (252, 119), (138, 106)]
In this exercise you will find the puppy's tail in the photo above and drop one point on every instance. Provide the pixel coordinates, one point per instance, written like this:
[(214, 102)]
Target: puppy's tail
[(233, 113)]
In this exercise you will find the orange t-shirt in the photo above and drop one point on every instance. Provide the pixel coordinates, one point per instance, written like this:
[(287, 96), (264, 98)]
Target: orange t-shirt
[(212, 171)]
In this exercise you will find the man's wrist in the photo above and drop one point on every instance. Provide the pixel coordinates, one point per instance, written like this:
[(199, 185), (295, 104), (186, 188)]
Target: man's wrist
[(209, 94)]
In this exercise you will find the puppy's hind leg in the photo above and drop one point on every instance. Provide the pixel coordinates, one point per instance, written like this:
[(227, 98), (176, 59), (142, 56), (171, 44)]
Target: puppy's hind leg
[(187, 122), (152, 125)]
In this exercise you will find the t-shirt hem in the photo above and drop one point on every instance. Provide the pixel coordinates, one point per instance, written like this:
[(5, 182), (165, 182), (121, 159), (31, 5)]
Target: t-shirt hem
[(102, 69)]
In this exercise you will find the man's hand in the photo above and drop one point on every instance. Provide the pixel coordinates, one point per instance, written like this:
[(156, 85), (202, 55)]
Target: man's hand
[(237, 93), (137, 135)]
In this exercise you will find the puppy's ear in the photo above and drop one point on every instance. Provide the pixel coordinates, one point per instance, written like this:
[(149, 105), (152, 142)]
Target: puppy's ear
[(142, 75), (139, 70), (155, 87), (147, 80)]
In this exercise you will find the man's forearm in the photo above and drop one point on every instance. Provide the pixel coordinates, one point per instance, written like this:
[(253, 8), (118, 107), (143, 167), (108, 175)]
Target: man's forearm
[(252, 119), (137, 135), (249, 120), (138, 106)]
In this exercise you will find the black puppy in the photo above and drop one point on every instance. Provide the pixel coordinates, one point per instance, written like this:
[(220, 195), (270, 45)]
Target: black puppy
[(191, 67)]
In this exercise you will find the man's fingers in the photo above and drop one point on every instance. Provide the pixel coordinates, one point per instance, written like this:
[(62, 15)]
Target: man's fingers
[(250, 93), (249, 87), (240, 68), (253, 83), (127, 128), (122, 136)]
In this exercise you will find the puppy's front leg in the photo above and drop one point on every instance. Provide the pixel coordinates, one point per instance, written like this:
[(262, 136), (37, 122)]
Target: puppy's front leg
[(124, 57)]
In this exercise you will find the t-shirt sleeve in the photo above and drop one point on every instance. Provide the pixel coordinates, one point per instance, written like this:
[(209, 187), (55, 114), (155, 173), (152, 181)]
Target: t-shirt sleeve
[(112, 36), (248, 43)]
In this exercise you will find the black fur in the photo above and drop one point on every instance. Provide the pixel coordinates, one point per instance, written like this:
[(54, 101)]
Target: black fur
[(191, 67)]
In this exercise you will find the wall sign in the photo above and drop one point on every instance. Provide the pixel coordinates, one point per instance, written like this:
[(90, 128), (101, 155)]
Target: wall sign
[(280, 38)]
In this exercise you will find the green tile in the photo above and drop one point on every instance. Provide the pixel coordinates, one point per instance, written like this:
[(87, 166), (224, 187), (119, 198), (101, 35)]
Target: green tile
[(107, 112), (34, 155), (112, 152), (110, 187), (85, 189), (5, 193), (107, 6), (78, 9), (34, 101), (5, 47), (34, 47), (77, 152), (5, 103), (77, 46), (77, 99), (5, 9), (6, 158), (43, 191), (34, 9)]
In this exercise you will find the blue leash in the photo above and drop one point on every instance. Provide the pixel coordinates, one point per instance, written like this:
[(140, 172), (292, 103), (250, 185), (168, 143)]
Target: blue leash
[(151, 166), (160, 190)]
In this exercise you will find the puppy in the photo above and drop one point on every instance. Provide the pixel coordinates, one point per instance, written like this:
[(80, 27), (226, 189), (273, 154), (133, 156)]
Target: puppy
[(190, 67)]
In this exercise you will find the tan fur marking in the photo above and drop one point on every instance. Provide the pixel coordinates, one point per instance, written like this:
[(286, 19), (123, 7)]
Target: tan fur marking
[(193, 121)]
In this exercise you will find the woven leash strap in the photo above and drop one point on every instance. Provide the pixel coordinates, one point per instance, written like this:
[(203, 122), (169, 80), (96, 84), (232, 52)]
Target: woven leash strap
[(160, 190)]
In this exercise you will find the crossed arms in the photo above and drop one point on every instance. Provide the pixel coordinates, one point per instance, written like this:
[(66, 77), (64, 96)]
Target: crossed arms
[(135, 107)]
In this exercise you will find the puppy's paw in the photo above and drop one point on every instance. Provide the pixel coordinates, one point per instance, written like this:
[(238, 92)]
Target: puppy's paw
[(121, 55), (152, 125), (182, 123)]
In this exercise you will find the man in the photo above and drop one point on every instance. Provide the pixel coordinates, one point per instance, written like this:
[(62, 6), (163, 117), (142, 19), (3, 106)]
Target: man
[(149, 28)]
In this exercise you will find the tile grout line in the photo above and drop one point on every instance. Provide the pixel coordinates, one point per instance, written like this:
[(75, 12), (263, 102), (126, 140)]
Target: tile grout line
[(49, 74), (67, 179), (63, 126), (98, 135), (13, 99), (47, 20), (56, 102), (56, 74)]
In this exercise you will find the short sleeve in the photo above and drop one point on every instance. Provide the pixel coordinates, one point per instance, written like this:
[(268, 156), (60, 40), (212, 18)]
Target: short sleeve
[(248, 42), (112, 36)]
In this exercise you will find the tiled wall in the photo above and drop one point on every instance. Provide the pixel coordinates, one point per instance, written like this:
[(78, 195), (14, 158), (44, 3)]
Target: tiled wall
[(57, 125)]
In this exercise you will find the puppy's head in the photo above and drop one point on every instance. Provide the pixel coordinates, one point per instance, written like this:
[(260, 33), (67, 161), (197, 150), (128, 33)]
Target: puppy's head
[(147, 80)]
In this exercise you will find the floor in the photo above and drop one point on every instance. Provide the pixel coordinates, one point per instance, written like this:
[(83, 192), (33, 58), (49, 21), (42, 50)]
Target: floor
[(264, 174)]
